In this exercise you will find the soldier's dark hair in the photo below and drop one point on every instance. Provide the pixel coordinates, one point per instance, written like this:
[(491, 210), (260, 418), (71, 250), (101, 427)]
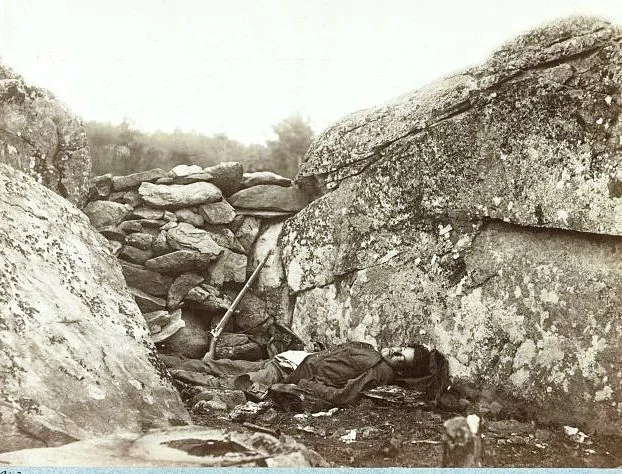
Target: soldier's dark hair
[(420, 364)]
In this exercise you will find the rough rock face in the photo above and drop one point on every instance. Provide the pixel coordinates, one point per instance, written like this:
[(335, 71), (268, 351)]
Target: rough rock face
[(76, 358), (42, 138), (481, 215)]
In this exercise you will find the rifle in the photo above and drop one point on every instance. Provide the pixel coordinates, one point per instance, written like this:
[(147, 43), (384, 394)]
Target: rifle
[(211, 355)]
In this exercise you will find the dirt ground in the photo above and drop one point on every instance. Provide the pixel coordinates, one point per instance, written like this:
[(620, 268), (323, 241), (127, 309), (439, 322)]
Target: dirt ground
[(378, 433)]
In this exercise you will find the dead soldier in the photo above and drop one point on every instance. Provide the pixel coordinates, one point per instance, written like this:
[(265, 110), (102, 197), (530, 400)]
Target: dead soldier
[(320, 380)]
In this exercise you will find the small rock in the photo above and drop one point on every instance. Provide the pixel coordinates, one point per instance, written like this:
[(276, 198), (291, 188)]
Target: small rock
[(146, 302), (575, 435), (130, 227), (220, 212), (227, 176), (247, 232), (100, 187), (132, 198), (113, 233), (160, 244), (105, 213), (248, 410), (180, 288), (189, 217), (168, 331), (135, 255), (224, 237), (170, 216), (207, 298), (462, 442), (349, 436), (140, 240), (115, 247), (230, 266)]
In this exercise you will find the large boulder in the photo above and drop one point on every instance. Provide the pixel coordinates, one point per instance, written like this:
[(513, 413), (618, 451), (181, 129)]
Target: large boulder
[(42, 138), (481, 215), (76, 359)]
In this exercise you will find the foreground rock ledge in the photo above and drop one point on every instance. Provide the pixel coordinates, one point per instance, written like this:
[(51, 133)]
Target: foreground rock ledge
[(481, 215), (186, 446)]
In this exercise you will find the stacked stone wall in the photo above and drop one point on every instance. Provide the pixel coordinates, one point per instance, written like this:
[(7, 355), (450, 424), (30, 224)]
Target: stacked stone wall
[(187, 240)]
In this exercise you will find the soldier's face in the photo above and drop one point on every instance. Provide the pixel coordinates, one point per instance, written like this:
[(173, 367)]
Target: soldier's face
[(398, 357)]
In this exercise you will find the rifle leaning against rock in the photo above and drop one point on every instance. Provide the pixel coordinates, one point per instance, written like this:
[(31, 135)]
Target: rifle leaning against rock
[(211, 354)]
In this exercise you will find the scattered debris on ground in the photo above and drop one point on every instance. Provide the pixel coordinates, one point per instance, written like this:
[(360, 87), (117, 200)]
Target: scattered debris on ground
[(376, 432)]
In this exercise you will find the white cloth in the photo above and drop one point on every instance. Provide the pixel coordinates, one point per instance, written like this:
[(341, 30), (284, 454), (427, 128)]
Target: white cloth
[(291, 359)]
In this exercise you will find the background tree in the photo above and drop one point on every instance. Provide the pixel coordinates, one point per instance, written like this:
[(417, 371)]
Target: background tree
[(294, 135), (122, 149)]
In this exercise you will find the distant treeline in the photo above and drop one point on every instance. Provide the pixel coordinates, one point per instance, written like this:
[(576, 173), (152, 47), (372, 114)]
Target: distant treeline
[(122, 149)]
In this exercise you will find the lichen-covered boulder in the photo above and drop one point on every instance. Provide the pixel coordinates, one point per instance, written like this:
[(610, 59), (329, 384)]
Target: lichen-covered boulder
[(76, 360), (42, 138), (481, 215)]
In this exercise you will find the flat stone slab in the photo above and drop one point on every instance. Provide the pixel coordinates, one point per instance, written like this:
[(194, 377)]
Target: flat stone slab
[(270, 197), (147, 213), (178, 262), (120, 183), (185, 170), (146, 280), (187, 237), (176, 196), (264, 177), (146, 302)]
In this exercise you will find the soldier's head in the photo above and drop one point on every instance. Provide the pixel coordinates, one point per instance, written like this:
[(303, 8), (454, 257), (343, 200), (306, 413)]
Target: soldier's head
[(409, 361)]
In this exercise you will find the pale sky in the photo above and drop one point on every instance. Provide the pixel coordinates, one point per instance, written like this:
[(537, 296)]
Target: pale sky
[(239, 66)]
